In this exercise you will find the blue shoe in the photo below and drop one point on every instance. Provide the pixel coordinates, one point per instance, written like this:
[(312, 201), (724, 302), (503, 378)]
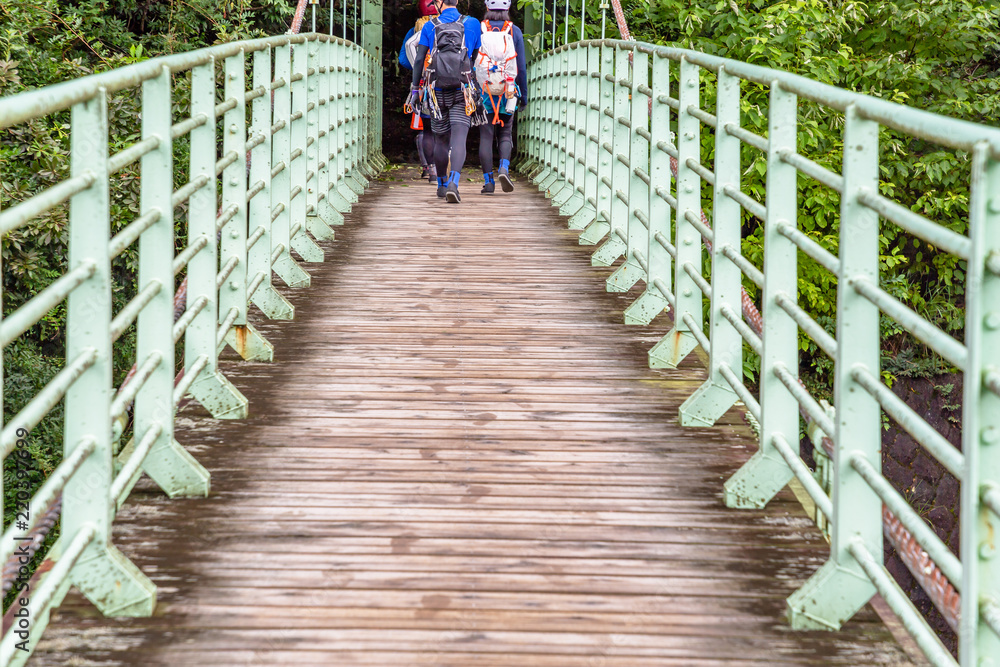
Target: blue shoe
[(451, 194)]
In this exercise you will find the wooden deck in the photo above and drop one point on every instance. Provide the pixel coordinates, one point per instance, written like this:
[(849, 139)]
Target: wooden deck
[(460, 457)]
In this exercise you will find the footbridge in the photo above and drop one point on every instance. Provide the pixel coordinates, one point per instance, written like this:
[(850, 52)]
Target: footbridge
[(366, 428)]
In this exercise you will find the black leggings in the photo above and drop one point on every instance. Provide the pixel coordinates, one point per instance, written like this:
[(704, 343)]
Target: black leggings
[(451, 132), (503, 133), (427, 145)]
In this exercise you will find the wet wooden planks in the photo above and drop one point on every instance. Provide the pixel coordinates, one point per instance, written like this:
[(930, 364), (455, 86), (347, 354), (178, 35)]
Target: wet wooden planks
[(460, 457)]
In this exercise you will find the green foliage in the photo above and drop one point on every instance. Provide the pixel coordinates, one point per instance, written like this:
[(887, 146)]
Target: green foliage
[(942, 56)]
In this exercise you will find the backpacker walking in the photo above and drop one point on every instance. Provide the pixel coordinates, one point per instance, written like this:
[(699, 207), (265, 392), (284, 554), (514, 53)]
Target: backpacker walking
[(501, 72), (452, 42)]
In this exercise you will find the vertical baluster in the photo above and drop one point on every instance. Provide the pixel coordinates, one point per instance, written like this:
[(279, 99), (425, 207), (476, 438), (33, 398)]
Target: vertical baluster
[(241, 336), (632, 270), (716, 395), (654, 299), (101, 572), (766, 472), (259, 209), (590, 64), (555, 181), (840, 587), (352, 135), (676, 345), (301, 241), (576, 169), (328, 210), (319, 216), (284, 264), (338, 192), (169, 464), (211, 388), (614, 246), (533, 162), (567, 189), (604, 131), (981, 420), (545, 134)]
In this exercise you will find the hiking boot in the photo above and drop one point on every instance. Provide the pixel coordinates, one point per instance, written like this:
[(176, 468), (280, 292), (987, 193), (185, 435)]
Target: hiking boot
[(442, 190), (489, 188), (504, 179), (451, 194), (432, 173), (423, 171)]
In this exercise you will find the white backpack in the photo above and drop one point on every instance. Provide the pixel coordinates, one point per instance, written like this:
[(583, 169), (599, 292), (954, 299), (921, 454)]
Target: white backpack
[(496, 66)]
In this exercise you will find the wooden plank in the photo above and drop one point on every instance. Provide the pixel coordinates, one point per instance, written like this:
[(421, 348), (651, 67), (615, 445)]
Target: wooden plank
[(460, 457)]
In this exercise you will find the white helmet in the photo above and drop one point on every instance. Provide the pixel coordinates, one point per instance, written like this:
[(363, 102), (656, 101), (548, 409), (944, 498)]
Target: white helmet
[(502, 5)]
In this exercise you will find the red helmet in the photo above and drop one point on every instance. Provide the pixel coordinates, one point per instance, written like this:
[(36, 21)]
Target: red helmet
[(428, 8)]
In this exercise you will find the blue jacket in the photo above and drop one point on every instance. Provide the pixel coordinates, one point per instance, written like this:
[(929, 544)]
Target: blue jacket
[(522, 70), (473, 31), (403, 60)]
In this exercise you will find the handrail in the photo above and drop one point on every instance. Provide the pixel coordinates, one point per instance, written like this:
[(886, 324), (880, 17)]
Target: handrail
[(339, 144), (655, 224)]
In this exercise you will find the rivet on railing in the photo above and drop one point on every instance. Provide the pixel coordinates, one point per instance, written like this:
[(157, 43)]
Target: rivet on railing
[(992, 321), (990, 436), (234, 285), (987, 550)]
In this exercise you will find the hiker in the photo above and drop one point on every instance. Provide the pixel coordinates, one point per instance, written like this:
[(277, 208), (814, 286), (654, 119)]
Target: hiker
[(419, 121), (502, 75), (448, 89)]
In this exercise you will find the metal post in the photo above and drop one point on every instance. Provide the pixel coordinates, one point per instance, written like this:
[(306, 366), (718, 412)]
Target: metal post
[(301, 241), (583, 17), (285, 266), (604, 136), (637, 173), (766, 472), (654, 300), (169, 464), (981, 418), (614, 246), (259, 209), (592, 114), (241, 336), (319, 216), (572, 199), (716, 395), (108, 579), (211, 388), (676, 345), (841, 587), (555, 183)]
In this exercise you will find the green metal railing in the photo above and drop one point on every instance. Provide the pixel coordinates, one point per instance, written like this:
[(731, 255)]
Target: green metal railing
[(598, 136), (274, 162)]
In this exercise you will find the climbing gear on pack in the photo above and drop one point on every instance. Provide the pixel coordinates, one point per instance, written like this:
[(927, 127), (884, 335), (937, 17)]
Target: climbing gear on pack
[(496, 70), (412, 101), (449, 60), (471, 95), (416, 122)]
